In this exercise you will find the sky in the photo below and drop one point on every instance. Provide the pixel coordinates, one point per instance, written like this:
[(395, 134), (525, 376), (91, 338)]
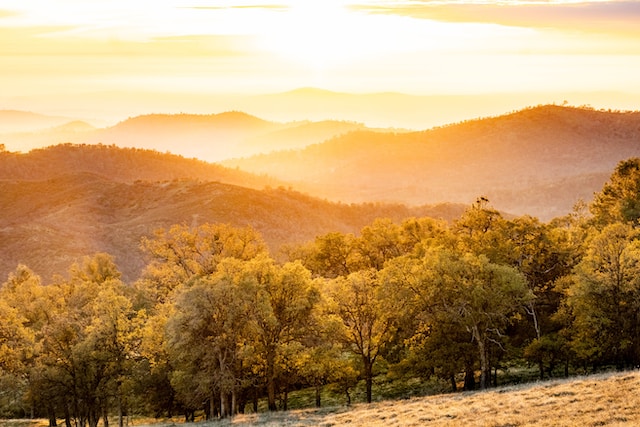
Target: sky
[(423, 47)]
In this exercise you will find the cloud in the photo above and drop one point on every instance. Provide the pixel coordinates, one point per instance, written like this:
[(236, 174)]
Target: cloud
[(4, 13), (593, 16), (272, 7)]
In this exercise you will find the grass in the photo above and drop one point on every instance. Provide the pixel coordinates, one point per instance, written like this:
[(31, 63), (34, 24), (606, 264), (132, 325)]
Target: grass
[(610, 399), (597, 400), (24, 423)]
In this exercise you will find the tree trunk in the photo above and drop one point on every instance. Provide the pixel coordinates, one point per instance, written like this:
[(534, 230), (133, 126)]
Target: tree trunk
[(52, 416), (271, 380), (105, 416), (285, 399), (234, 402), (368, 376), (318, 391), (121, 410), (469, 378), (224, 398), (94, 417), (212, 404), (454, 386), (255, 400), (67, 415), (484, 362)]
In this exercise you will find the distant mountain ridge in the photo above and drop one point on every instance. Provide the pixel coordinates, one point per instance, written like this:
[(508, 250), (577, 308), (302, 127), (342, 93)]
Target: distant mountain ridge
[(210, 137), (536, 161), (21, 121)]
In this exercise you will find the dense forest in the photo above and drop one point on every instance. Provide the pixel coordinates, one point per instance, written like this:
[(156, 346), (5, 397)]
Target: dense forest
[(216, 324)]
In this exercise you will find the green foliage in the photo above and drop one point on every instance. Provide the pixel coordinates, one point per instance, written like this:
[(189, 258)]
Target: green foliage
[(604, 298), (216, 322), (619, 200)]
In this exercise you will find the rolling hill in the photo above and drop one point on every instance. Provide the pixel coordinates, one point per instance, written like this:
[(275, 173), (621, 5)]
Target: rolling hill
[(209, 137), (119, 164), (65, 202), (536, 161), (23, 121)]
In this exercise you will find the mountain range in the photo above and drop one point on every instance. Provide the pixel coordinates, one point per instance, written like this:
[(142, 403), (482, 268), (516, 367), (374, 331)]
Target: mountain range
[(538, 161), (210, 137), (69, 200)]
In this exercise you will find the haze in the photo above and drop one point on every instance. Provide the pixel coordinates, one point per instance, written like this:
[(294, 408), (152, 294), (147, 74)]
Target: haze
[(105, 61)]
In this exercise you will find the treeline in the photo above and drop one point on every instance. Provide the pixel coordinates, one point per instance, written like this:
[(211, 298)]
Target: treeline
[(215, 323)]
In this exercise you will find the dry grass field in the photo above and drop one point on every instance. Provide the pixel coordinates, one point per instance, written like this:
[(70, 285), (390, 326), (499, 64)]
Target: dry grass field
[(598, 400)]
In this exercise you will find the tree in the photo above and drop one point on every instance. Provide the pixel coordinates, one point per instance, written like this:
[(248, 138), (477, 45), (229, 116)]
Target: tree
[(619, 199), (466, 292), (182, 253), (604, 298), (480, 230), (285, 304), (368, 317), (331, 255), (21, 315), (87, 341), (378, 243), (15, 339)]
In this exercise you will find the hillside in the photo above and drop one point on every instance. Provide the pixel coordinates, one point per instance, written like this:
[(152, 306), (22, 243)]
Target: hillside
[(536, 161), (598, 400), (209, 137), (48, 224), (119, 164)]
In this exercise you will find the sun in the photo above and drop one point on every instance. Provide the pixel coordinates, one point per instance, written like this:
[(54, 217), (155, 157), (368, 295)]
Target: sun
[(316, 34)]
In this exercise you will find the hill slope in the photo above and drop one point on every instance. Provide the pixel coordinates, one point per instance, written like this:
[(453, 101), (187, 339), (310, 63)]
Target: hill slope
[(48, 224), (119, 164), (537, 161), (598, 400)]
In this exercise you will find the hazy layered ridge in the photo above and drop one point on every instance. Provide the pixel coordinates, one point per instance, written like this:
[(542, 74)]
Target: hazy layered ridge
[(537, 161), (210, 137)]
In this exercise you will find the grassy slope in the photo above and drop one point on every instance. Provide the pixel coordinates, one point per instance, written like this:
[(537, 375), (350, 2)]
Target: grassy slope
[(598, 400)]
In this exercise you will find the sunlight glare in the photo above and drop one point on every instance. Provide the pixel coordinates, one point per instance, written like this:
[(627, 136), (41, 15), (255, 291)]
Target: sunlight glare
[(315, 34)]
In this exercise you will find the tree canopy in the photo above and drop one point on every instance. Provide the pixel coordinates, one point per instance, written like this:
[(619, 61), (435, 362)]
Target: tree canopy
[(216, 324)]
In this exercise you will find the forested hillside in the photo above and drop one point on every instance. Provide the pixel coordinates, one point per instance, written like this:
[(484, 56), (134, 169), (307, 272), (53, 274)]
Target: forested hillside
[(119, 164), (537, 161), (49, 220)]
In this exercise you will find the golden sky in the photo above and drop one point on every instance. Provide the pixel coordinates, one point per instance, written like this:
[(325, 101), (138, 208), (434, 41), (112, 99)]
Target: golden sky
[(264, 46)]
